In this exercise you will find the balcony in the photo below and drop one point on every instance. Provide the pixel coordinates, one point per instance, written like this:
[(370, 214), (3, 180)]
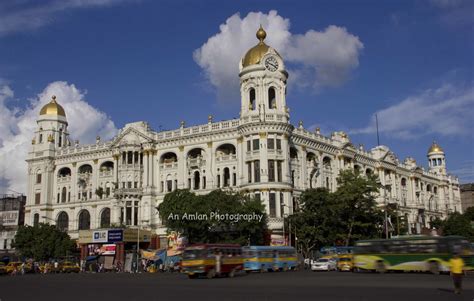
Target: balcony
[(120, 192), (225, 158), (169, 165), (196, 162), (106, 173), (64, 179)]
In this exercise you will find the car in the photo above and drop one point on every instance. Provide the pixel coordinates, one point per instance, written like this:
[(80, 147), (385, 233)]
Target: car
[(69, 267), (345, 263), (3, 269), (13, 267), (323, 264)]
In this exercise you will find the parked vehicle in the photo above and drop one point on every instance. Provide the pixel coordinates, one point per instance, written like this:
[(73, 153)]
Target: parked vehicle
[(69, 267), (345, 263), (268, 258), (324, 264), (212, 260)]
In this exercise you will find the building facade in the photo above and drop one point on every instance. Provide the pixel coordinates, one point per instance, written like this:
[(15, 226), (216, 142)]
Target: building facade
[(467, 196), (12, 215), (123, 180)]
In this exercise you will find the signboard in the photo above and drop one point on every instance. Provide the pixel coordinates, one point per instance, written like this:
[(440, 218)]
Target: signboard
[(115, 235), (99, 236), (9, 218), (108, 249)]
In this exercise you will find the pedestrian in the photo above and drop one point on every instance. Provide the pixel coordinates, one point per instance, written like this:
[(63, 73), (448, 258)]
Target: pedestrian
[(457, 266), (23, 268)]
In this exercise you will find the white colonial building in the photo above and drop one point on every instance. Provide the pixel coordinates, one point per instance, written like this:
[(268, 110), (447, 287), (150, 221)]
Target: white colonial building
[(122, 181)]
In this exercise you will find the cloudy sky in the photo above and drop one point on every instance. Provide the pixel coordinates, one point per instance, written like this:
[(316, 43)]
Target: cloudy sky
[(119, 61)]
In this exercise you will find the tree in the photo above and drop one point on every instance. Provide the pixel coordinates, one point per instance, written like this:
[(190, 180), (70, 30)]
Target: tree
[(358, 214), (43, 242), (194, 216), (458, 224), (315, 222)]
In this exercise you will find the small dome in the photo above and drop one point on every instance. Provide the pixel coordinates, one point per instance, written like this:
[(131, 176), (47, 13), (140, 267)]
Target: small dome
[(53, 108), (435, 148), (255, 54)]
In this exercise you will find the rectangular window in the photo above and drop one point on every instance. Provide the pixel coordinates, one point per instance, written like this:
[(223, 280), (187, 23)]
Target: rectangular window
[(162, 186), (218, 181), (249, 146), (279, 171), (257, 196), (37, 198), (272, 204), (175, 184), (234, 180), (282, 203), (271, 143), (169, 185), (249, 165), (278, 142), (256, 170), (271, 171), (135, 184), (203, 182), (256, 144), (129, 184), (38, 178)]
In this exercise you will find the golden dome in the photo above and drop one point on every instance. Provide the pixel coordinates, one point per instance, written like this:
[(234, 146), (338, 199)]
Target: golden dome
[(435, 148), (53, 108), (255, 54)]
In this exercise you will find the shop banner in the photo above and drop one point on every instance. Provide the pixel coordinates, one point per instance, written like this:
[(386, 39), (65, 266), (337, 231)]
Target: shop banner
[(9, 218), (115, 235), (108, 249), (99, 236)]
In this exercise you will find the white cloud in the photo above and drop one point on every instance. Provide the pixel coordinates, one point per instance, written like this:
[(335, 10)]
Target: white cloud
[(320, 58), (24, 15), (445, 111), (18, 126)]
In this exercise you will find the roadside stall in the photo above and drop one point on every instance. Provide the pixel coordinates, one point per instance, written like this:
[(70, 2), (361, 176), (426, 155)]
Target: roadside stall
[(106, 249)]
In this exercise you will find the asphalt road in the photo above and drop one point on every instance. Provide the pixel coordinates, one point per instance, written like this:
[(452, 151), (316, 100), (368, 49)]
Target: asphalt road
[(295, 286)]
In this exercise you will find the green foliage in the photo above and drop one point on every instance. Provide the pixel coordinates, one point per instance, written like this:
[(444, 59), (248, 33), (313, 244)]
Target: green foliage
[(43, 242), (458, 224), (341, 217), (469, 213), (181, 202)]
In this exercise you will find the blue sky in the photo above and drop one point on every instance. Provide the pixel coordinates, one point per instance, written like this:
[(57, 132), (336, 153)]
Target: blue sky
[(410, 61)]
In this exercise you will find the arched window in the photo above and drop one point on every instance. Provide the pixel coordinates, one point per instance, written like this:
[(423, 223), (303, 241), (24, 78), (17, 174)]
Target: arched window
[(327, 163), (64, 172), (36, 219), (368, 171), (63, 221), (105, 218), (196, 180), (60, 140), (63, 195), (271, 98), (403, 182), (84, 220), (252, 102)]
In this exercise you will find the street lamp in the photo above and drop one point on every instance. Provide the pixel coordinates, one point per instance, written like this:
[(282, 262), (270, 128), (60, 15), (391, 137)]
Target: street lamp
[(289, 224)]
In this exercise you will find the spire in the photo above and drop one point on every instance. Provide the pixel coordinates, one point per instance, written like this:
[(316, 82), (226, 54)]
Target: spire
[(261, 34)]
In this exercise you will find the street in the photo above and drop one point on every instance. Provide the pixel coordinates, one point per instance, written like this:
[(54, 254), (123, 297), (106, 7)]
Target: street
[(300, 285)]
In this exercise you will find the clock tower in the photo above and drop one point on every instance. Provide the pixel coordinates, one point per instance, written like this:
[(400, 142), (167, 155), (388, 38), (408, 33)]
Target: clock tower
[(263, 83)]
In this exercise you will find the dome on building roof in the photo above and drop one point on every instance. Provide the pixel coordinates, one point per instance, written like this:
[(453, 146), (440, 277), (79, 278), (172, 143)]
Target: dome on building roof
[(53, 108), (255, 54), (435, 148)]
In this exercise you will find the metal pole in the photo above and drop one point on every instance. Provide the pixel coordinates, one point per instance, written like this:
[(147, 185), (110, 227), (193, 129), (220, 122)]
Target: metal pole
[(289, 232), (385, 198), (284, 237)]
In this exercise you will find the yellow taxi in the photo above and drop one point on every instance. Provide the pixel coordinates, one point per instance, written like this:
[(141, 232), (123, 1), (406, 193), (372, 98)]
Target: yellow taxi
[(69, 267), (345, 262), (14, 266), (3, 269)]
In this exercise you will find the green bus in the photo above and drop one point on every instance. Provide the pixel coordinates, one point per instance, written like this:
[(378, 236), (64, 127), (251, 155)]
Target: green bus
[(412, 253)]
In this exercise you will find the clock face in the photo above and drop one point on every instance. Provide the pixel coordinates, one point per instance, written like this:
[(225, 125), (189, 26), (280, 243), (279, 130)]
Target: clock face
[(271, 63)]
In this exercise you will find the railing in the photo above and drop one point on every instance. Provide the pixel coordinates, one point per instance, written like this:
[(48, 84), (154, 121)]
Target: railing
[(196, 162), (212, 127)]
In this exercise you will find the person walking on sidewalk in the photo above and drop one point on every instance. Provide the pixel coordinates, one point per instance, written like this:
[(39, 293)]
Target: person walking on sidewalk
[(457, 266)]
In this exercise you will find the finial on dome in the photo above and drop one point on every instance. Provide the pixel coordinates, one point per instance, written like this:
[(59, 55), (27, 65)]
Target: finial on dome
[(261, 34), (53, 98)]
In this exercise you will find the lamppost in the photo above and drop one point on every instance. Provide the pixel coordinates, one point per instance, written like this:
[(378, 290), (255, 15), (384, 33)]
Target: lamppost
[(385, 207), (289, 224)]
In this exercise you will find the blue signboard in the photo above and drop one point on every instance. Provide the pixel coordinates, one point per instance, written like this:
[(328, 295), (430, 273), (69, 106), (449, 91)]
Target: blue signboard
[(115, 235)]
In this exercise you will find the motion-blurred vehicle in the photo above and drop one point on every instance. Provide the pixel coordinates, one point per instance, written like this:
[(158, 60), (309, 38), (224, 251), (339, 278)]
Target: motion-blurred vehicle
[(345, 263), (16, 267), (269, 258), (200, 260), (415, 254), (324, 264)]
